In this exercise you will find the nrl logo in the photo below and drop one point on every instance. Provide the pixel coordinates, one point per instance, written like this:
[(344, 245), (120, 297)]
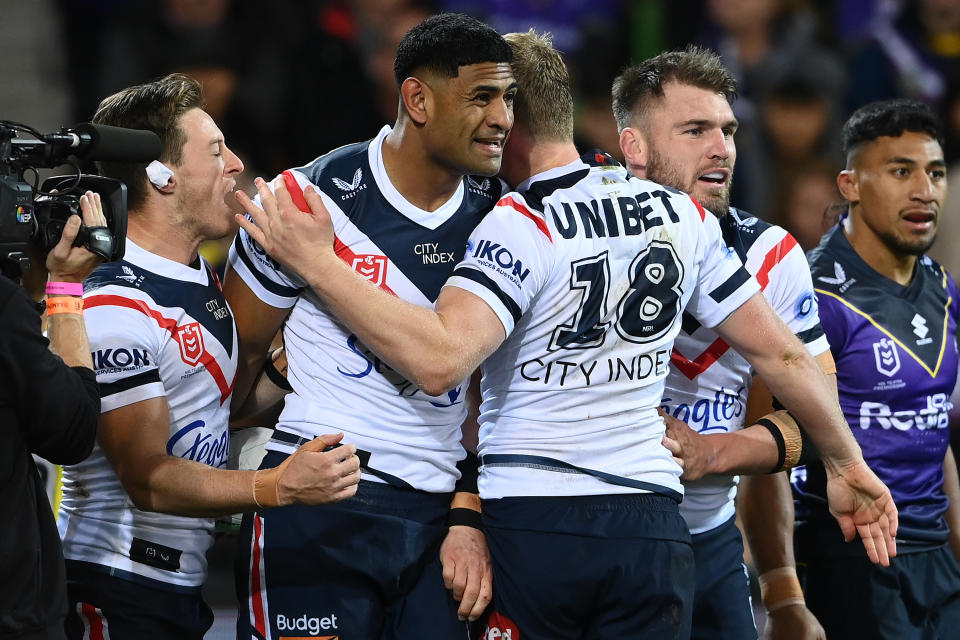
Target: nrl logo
[(190, 339), (372, 267), (886, 356), (349, 186)]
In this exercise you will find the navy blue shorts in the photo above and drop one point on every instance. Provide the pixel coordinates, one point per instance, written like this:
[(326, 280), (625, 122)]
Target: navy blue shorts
[(916, 598), (366, 568), (589, 567), (106, 606), (722, 606)]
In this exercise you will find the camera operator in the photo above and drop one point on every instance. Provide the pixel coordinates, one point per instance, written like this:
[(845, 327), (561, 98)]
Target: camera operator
[(49, 405)]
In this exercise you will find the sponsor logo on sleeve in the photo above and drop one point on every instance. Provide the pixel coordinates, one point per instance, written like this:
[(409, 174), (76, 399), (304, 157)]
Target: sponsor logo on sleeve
[(120, 359), (806, 305), (497, 257), (260, 255)]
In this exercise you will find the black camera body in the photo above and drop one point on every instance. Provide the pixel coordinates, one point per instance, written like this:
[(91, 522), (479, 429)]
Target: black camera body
[(32, 216)]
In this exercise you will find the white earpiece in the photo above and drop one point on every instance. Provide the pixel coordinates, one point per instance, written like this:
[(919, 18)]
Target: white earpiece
[(159, 174)]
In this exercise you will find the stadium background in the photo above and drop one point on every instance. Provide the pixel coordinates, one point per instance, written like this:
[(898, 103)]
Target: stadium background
[(288, 80)]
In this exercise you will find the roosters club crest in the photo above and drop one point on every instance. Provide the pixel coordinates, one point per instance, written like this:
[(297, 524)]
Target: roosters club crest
[(190, 339), (372, 267)]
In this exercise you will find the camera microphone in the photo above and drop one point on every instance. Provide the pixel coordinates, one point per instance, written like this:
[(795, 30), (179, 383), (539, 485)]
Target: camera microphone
[(103, 142)]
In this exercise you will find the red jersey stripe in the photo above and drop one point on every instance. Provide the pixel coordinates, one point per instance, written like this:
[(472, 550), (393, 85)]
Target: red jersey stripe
[(776, 254), (693, 368), (343, 251), (703, 214), (168, 324), (537, 220)]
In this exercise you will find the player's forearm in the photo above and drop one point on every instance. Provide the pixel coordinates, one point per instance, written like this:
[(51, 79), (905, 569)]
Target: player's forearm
[(412, 339), (765, 506), (748, 451), (794, 377), (800, 385), (183, 487)]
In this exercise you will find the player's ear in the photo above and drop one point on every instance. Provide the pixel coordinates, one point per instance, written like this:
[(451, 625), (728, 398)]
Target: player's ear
[(415, 98), (634, 148), (849, 185)]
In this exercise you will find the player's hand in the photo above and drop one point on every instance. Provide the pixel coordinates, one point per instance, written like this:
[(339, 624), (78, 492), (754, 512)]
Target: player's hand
[(794, 622), (311, 475), (694, 452), (301, 240), (862, 504), (67, 263), (467, 571)]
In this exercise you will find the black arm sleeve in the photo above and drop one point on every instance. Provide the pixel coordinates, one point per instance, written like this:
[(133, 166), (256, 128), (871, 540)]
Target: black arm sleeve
[(58, 407)]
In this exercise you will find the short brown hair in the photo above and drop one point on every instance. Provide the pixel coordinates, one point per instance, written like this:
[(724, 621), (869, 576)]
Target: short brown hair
[(635, 89), (544, 105), (155, 106)]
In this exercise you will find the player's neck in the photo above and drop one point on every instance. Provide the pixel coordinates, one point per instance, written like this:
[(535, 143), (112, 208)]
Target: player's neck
[(544, 156), (422, 181), (895, 265), (161, 234)]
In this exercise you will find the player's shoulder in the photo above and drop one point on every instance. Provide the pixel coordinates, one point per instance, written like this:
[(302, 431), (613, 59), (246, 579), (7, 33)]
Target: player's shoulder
[(342, 169)]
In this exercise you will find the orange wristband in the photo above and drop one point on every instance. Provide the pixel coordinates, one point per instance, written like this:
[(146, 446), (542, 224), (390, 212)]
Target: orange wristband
[(63, 304), (780, 588)]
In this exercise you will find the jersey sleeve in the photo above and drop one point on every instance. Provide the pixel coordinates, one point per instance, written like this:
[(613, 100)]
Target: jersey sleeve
[(723, 284), (125, 341), (508, 259), (789, 290), (266, 277)]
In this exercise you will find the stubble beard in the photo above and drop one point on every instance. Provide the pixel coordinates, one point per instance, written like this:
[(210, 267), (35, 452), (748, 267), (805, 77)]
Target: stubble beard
[(661, 170)]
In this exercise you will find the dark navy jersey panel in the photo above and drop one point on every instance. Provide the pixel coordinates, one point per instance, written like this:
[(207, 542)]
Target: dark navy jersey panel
[(194, 298)]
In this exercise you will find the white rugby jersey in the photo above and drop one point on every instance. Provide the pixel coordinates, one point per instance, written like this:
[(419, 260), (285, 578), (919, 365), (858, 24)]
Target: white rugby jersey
[(338, 383), (589, 269), (156, 328), (708, 382)]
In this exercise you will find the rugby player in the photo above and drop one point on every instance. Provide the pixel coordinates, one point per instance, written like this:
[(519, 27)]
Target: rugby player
[(677, 128), (570, 293), (890, 315), (137, 516), (405, 203)]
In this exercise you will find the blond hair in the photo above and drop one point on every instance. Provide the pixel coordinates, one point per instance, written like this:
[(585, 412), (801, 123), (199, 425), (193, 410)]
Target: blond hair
[(544, 105)]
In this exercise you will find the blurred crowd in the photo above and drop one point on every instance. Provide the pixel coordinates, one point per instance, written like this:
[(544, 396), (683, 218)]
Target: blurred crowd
[(291, 79)]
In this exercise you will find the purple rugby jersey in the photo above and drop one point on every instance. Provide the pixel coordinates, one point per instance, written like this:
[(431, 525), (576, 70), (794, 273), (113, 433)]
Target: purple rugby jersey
[(896, 355)]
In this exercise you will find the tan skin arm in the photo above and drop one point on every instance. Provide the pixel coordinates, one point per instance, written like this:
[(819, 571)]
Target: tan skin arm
[(257, 326), (859, 501), (765, 507), (134, 440)]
